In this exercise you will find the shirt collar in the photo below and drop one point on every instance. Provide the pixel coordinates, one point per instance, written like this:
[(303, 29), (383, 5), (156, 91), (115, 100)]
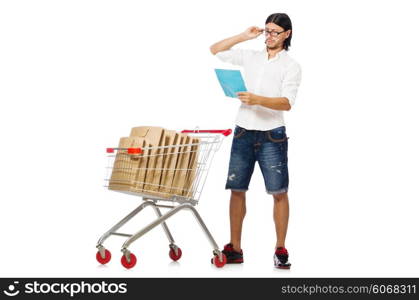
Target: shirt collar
[(278, 55)]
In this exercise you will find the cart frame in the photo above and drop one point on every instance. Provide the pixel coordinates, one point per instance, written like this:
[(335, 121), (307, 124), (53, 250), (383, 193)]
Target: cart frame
[(176, 204)]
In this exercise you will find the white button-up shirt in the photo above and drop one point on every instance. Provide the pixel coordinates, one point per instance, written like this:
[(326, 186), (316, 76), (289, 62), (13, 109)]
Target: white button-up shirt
[(279, 76)]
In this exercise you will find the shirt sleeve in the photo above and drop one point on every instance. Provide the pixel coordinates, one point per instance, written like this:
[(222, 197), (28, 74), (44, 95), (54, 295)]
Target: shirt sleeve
[(291, 83), (233, 56)]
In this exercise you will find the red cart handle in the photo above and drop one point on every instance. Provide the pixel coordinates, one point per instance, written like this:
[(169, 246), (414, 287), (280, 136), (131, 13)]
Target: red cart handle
[(129, 150), (225, 132)]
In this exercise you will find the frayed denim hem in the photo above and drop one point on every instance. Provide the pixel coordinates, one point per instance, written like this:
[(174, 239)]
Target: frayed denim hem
[(236, 190), (284, 190)]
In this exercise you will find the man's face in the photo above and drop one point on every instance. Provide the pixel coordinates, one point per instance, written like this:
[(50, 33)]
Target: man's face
[(273, 40)]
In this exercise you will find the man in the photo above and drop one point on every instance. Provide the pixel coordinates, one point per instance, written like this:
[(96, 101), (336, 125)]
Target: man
[(272, 78)]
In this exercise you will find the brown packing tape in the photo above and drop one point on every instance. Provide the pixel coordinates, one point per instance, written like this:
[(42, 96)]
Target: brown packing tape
[(193, 163), (125, 166)]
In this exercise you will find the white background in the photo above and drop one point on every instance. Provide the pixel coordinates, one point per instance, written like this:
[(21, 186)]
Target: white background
[(75, 76)]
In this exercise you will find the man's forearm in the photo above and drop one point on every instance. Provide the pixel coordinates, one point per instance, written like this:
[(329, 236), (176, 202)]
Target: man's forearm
[(277, 103), (227, 43)]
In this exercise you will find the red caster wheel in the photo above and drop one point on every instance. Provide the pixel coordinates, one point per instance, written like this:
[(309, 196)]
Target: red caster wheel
[(131, 264), (173, 256), (103, 260), (216, 261)]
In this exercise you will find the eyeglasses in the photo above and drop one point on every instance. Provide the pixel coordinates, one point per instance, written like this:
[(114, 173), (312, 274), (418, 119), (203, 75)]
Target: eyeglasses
[(272, 32)]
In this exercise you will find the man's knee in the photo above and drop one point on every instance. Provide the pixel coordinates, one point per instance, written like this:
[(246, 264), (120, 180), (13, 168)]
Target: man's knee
[(238, 194), (281, 196)]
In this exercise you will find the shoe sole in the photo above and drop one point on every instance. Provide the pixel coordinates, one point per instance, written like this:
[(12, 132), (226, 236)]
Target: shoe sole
[(283, 267), (235, 261), (230, 261)]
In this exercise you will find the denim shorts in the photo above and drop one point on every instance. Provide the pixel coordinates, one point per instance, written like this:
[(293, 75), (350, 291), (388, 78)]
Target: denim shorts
[(269, 149)]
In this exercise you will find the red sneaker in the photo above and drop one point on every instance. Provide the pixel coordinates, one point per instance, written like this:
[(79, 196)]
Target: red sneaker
[(233, 257), (281, 258)]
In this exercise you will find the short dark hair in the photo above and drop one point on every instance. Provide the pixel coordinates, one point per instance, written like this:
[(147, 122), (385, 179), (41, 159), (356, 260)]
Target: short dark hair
[(284, 21)]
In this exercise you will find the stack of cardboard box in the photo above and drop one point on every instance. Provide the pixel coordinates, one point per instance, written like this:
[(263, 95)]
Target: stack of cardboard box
[(168, 167)]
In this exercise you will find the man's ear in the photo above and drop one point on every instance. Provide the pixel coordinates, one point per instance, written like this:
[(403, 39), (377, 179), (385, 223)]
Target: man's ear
[(288, 32)]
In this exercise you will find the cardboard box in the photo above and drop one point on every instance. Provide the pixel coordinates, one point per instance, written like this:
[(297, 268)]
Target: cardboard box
[(181, 166), (193, 164), (172, 139), (142, 168), (158, 171), (125, 168), (155, 137)]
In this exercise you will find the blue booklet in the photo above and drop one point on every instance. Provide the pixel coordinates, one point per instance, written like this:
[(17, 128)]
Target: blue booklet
[(231, 81)]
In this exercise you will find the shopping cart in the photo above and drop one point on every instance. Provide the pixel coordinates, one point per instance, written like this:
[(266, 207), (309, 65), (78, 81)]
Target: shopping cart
[(122, 175)]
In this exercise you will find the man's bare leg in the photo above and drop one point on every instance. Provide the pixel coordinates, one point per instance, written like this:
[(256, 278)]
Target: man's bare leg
[(281, 216), (237, 213)]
